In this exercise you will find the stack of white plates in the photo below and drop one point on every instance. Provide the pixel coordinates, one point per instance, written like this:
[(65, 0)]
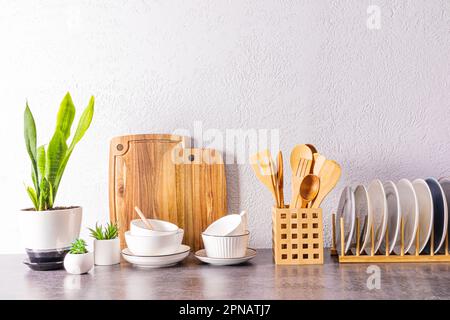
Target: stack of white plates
[(422, 204)]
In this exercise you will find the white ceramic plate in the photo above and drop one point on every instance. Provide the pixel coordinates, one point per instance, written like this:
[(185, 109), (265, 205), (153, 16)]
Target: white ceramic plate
[(346, 209), (157, 261), (394, 212), (445, 184), (440, 215), (201, 255), (410, 214), (425, 201), (364, 215), (377, 198)]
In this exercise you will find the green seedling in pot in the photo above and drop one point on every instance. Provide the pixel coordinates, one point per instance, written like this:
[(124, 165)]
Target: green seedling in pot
[(110, 231), (78, 247), (48, 162)]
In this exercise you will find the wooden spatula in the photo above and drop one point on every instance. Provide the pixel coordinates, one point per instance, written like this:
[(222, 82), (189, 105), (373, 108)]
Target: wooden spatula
[(280, 179), (299, 153), (329, 176), (263, 167), (319, 160)]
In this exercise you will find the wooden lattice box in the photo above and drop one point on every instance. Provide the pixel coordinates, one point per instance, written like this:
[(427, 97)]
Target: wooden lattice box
[(297, 236)]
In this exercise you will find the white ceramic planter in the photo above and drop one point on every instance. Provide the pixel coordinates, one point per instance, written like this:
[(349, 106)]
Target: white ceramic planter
[(79, 263), (47, 230), (106, 252)]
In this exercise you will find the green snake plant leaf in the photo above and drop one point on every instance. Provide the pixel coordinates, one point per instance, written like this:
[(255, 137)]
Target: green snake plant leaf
[(83, 126), (66, 114), (30, 142), (83, 123), (41, 161), (45, 195), (56, 152), (33, 196)]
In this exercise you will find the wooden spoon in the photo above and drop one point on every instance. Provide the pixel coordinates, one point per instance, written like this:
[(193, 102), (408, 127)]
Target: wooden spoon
[(309, 188), (329, 176), (143, 218), (312, 147)]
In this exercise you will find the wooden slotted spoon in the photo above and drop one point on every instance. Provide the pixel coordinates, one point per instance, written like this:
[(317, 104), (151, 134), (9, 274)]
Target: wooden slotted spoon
[(262, 165)]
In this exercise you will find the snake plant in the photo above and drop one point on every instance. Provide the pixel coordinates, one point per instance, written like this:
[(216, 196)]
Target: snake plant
[(49, 162)]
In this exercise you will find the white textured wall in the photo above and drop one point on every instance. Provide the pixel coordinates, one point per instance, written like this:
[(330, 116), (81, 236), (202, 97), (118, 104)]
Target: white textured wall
[(378, 101)]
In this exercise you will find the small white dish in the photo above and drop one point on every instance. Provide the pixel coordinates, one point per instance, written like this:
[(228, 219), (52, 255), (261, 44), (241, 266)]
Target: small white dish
[(364, 215), (201, 255), (377, 198), (410, 214), (156, 261), (394, 213), (229, 225), (160, 227), (425, 201), (226, 247), (346, 209), (166, 243)]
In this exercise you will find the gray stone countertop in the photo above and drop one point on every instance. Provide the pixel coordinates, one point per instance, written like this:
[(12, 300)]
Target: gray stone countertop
[(258, 279)]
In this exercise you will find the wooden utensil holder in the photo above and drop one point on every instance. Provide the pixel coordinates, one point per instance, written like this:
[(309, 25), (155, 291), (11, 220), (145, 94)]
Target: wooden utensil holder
[(377, 257), (297, 236)]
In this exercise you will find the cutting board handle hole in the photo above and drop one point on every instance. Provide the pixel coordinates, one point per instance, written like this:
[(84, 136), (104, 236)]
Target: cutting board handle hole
[(119, 147), (191, 158)]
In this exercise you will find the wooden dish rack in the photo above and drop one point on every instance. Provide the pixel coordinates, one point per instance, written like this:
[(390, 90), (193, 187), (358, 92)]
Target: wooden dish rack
[(297, 236), (377, 257)]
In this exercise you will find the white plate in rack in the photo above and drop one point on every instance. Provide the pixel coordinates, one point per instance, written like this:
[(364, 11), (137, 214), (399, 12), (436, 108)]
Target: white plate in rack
[(425, 201), (364, 214), (377, 198), (346, 210), (410, 214), (156, 261), (394, 214)]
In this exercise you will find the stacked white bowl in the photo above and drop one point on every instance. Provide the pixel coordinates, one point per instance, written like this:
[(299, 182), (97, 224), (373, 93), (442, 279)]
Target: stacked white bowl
[(165, 238), (227, 237)]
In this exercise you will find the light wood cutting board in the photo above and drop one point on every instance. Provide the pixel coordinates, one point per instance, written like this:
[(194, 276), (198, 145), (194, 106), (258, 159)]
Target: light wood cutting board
[(201, 190), (166, 181)]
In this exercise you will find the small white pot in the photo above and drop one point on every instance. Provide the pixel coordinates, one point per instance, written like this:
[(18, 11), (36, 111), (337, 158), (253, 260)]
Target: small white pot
[(48, 230), (226, 247), (79, 263), (106, 252)]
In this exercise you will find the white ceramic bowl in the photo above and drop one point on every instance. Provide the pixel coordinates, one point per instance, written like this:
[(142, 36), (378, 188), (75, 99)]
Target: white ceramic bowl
[(226, 247), (154, 245), (137, 227), (229, 225)]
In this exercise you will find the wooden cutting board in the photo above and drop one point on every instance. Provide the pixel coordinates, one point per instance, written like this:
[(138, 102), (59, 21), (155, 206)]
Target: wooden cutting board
[(201, 190), (166, 181)]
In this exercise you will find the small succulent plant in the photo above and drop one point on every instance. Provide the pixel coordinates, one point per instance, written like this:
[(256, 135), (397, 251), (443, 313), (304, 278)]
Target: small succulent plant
[(110, 231), (78, 247)]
